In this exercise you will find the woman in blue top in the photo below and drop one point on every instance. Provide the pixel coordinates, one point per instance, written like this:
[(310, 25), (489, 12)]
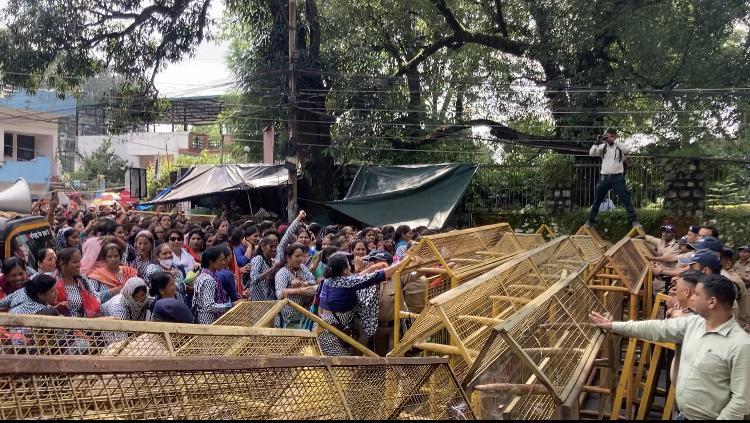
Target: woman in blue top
[(344, 295), (402, 237)]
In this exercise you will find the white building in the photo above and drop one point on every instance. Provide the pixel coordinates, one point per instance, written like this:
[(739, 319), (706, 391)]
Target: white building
[(141, 148)]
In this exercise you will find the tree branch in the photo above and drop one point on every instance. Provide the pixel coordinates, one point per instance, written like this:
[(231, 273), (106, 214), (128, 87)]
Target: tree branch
[(463, 36), (500, 19)]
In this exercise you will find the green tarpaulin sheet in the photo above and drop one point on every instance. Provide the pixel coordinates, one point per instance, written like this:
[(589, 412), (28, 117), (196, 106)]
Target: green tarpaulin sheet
[(414, 195)]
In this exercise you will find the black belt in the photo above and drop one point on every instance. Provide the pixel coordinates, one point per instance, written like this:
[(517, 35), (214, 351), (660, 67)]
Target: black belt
[(609, 175)]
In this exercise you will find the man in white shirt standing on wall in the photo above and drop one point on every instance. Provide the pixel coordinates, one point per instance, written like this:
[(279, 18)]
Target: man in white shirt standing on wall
[(613, 154)]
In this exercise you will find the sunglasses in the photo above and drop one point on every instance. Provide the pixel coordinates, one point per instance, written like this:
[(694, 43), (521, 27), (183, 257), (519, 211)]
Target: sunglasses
[(174, 239)]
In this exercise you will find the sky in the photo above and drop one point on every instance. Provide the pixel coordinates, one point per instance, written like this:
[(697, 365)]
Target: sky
[(200, 74)]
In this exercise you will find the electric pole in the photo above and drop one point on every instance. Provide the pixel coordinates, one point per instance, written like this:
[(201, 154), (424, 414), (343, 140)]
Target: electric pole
[(292, 158)]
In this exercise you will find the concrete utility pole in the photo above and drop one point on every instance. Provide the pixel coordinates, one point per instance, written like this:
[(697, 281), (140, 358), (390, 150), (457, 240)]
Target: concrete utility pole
[(292, 158)]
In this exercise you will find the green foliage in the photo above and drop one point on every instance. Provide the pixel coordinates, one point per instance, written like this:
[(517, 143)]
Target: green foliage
[(102, 161)]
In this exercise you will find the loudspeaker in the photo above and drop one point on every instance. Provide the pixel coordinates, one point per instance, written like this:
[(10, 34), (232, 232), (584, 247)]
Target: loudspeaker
[(17, 198)]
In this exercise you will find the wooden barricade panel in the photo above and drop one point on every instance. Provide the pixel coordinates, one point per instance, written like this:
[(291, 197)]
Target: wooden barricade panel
[(57, 336), (554, 341), (300, 388)]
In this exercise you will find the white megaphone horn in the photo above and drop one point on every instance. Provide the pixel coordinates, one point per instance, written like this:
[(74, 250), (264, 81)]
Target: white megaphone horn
[(16, 198)]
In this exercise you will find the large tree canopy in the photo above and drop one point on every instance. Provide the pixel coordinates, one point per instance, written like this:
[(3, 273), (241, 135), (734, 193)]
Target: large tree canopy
[(395, 81)]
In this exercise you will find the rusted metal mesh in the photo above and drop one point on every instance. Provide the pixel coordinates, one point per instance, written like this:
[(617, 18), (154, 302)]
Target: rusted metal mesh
[(301, 388), (473, 308), (57, 336), (556, 339), (245, 314), (531, 241)]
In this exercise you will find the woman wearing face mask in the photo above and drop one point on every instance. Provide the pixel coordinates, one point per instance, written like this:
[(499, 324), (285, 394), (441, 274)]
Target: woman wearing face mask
[(109, 270), (144, 253), (295, 282), (47, 262), (166, 264), (210, 300), (38, 294), (130, 304), (261, 287), (181, 258)]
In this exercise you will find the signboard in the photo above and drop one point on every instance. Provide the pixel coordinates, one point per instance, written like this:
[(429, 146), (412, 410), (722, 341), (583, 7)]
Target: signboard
[(135, 180)]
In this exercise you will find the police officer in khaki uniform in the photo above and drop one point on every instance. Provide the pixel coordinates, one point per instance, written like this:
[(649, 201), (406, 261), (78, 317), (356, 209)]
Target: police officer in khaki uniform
[(666, 247), (742, 266)]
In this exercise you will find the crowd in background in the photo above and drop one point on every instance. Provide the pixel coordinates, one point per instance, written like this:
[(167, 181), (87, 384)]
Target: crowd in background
[(120, 264)]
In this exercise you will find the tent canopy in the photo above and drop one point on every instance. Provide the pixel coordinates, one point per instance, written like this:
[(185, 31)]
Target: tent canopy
[(203, 180), (414, 195)]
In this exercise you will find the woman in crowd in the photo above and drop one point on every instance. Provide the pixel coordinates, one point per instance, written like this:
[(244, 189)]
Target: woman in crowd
[(39, 294), (109, 270), (165, 221), (144, 253), (261, 267), (130, 304), (358, 249), (46, 260), (165, 264), (13, 277), (210, 301), (226, 277), (339, 300), (196, 244), (93, 245), (402, 238), (252, 239), (82, 296), (181, 258), (162, 285), (223, 227), (304, 238), (158, 232), (68, 237), (295, 282), (289, 236)]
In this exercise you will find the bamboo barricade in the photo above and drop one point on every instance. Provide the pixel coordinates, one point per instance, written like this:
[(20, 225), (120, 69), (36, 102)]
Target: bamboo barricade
[(546, 229), (53, 336), (468, 312), (231, 388), (632, 389), (535, 363), (470, 252)]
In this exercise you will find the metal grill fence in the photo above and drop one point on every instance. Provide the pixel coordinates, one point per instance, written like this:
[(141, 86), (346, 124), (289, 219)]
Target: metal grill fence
[(505, 187), (290, 388)]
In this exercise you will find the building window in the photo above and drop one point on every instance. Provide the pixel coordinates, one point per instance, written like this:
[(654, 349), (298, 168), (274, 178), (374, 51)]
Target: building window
[(197, 143), (8, 145), (24, 148)]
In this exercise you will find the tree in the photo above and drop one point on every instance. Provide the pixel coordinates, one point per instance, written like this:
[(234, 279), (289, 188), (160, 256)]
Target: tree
[(156, 183), (102, 161), (388, 80)]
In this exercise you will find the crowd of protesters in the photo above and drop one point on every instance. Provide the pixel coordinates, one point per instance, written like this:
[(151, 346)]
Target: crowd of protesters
[(116, 263)]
